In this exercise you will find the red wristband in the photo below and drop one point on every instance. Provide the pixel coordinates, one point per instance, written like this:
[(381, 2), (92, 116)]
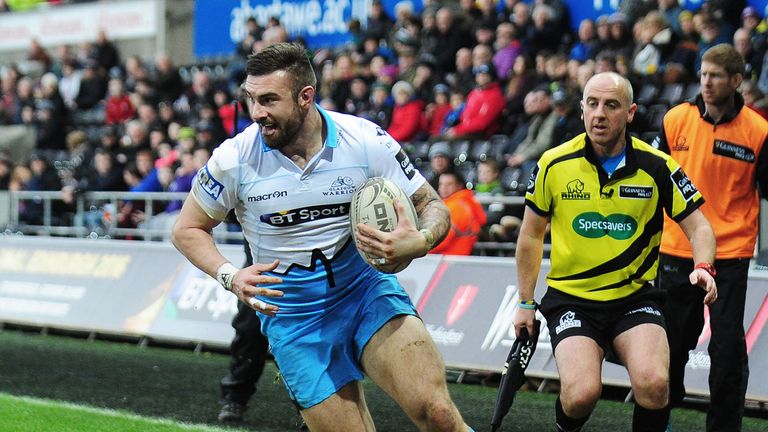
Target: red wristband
[(706, 266)]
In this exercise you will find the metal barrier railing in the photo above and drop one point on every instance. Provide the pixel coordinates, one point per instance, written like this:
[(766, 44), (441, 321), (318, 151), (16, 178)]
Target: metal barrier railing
[(108, 202), (103, 205)]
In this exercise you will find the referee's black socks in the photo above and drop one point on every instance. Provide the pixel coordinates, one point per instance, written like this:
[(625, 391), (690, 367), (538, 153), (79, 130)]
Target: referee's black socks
[(650, 420), (565, 423)]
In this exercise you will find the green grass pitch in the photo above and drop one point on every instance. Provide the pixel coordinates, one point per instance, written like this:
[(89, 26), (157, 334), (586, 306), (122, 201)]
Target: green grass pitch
[(58, 383)]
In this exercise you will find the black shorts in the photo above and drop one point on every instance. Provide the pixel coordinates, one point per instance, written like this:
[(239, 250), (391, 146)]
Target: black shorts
[(568, 315)]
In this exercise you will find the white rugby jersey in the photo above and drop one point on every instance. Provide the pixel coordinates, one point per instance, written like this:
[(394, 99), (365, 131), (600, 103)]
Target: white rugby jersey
[(301, 216)]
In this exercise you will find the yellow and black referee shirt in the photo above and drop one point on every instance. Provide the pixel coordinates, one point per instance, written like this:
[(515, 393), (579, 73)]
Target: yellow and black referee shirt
[(606, 230)]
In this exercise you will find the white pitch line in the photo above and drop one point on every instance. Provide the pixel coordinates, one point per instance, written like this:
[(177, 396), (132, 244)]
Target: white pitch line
[(117, 413)]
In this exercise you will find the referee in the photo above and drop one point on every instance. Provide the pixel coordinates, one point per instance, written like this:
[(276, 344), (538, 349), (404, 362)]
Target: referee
[(604, 194)]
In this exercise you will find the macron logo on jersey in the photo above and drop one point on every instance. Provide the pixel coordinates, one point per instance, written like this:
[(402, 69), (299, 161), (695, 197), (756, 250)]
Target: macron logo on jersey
[(210, 185)]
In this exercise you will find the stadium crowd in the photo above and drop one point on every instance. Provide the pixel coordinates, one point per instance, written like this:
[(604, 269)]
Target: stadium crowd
[(474, 87)]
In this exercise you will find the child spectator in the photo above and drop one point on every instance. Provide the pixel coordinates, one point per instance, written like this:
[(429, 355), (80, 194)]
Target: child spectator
[(453, 116), (437, 111)]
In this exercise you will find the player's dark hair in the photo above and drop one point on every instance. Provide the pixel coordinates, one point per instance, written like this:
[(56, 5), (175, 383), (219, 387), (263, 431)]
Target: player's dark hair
[(725, 55), (288, 57)]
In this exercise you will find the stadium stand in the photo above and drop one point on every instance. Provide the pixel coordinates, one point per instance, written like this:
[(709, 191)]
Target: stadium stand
[(179, 109), (128, 179)]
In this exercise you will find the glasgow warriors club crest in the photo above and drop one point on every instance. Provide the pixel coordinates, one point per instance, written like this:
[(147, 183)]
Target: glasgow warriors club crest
[(342, 185)]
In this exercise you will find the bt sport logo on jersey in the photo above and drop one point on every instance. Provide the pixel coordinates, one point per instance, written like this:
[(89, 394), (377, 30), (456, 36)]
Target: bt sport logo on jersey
[(306, 214)]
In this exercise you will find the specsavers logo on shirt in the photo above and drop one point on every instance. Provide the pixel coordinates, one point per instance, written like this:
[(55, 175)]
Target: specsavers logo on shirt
[(595, 225)]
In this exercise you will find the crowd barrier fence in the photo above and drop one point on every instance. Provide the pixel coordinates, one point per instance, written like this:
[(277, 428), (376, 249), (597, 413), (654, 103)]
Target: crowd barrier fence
[(149, 290)]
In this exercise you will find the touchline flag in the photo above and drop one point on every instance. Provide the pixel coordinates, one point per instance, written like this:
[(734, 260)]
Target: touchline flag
[(513, 375)]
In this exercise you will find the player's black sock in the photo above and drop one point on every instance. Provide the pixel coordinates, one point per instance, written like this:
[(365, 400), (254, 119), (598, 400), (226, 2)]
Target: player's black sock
[(650, 420), (565, 423)]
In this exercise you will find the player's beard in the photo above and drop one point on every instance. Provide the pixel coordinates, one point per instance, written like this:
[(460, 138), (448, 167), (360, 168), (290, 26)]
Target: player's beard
[(286, 132)]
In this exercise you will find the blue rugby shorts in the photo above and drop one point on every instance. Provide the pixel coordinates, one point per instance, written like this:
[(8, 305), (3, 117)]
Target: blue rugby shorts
[(319, 352)]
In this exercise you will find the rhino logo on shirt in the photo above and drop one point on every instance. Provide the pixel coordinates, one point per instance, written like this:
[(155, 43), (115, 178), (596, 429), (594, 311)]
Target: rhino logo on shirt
[(575, 186), (574, 190)]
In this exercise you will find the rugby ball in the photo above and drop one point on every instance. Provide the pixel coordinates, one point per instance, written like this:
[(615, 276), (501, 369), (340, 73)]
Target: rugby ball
[(373, 205)]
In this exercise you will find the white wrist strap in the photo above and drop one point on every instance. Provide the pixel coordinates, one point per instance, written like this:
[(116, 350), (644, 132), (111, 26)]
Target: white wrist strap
[(226, 274)]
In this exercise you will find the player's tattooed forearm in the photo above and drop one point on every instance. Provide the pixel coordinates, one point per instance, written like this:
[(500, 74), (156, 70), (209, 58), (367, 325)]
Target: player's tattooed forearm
[(433, 214)]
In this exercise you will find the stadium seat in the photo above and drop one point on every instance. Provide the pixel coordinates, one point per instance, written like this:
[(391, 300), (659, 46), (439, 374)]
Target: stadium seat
[(647, 94), (649, 137), (656, 116), (479, 150), (186, 77), (500, 140), (94, 133), (468, 170), (460, 150), (418, 151), (92, 117), (671, 94), (79, 118), (499, 145), (692, 90), (640, 120), (220, 72), (483, 150), (514, 180)]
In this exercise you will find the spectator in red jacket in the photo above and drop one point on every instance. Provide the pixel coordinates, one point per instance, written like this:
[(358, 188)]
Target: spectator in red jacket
[(434, 115), (480, 118), (406, 115), (119, 108), (467, 216)]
